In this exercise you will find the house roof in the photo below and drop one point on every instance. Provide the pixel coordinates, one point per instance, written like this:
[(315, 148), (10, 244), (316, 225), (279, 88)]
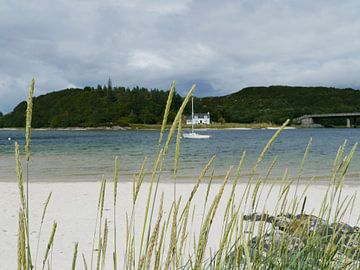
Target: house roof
[(199, 115)]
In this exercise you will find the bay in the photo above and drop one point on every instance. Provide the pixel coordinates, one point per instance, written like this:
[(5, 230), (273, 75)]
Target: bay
[(86, 155)]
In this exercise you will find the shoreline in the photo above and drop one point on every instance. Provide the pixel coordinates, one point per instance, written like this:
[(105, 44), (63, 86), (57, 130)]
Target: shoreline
[(215, 126), (157, 128), (352, 179), (145, 128)]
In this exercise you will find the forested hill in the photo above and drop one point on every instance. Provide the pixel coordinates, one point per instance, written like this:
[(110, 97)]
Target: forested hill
[(91, 107), (278, 103)]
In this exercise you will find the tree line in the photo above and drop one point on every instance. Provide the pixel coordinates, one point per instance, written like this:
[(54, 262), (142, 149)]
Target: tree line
[(120, 106)]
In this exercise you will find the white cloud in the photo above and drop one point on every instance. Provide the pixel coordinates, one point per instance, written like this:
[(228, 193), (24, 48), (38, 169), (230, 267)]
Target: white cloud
[(224, 45), (161, 7), (148, 61)]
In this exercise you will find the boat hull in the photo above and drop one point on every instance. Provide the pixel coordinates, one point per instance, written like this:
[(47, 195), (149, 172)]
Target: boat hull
[(194, 135)]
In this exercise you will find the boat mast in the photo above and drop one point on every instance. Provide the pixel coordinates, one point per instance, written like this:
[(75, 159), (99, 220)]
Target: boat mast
[(192, 114)]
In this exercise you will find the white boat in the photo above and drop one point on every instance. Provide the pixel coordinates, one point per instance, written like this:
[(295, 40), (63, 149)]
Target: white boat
[(192, 134), (276, 128), (239, 128)]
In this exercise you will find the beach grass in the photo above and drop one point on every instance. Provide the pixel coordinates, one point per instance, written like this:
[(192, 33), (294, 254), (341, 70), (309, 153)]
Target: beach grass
[(251, 237)]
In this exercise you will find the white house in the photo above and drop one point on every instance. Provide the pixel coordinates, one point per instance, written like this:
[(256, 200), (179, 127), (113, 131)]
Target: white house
[(199, 118)]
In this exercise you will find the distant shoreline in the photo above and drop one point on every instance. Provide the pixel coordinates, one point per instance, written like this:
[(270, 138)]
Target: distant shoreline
[(227, 126), (131, 129), (215, 126), (71, 128)]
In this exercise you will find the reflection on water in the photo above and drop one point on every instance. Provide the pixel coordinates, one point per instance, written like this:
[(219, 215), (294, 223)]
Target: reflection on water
[(86, 155)]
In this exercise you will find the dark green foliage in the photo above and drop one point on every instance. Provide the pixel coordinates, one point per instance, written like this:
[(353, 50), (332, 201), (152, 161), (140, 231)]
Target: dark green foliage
[(109, 106), (109, 84), (1, 120), (278, 103), (91, 108)]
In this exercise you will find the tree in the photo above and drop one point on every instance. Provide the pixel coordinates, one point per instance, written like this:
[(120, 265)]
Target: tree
[(78, 107), (109, 84), (221, 120)]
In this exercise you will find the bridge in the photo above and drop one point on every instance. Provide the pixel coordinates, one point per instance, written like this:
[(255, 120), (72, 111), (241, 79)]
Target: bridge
[(309, 120)]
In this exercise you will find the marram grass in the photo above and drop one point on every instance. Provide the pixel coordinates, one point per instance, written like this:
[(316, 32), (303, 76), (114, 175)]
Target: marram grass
[(251, 237)]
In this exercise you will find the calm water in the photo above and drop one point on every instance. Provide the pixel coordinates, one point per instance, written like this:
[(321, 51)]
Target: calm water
[(86, 155)]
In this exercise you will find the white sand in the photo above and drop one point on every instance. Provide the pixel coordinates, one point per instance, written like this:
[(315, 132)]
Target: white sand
[(73, 206)]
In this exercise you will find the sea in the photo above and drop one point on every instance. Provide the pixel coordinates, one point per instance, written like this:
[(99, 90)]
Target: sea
[(87, 155)]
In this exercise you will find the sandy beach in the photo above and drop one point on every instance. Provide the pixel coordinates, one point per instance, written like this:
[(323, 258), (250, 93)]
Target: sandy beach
[(73, 206)]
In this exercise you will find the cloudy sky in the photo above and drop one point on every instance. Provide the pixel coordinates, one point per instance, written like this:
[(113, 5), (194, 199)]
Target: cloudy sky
[(222, 46)]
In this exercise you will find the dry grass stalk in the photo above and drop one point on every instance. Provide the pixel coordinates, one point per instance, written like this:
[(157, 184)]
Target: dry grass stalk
[(98, 213), (146, 259), (247, 253), (116, 176), (224, 241), (177, 149), (158, 251), (84, 262), (267, 146), (102, 198), (104, 246), (99, 254), (204, 233), (29, 110), (207, 195), (183, 235), (172, 246), (21, 242), (139, 180), (201, 176), (101, 211), (237, 176), (167, 110), (29, 119), (177, 118), (20, 176), (147, 206), (50, 244), (164, 152), (74, 256), (41, 224)]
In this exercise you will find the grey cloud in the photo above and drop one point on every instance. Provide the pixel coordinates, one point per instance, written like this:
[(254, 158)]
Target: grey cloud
[(222, 46)]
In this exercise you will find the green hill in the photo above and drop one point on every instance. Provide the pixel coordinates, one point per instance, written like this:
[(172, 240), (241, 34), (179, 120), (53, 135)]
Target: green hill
[(91, 107), (278, 103)]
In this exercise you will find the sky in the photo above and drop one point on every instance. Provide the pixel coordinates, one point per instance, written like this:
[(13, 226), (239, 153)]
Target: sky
[(222, 46)]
